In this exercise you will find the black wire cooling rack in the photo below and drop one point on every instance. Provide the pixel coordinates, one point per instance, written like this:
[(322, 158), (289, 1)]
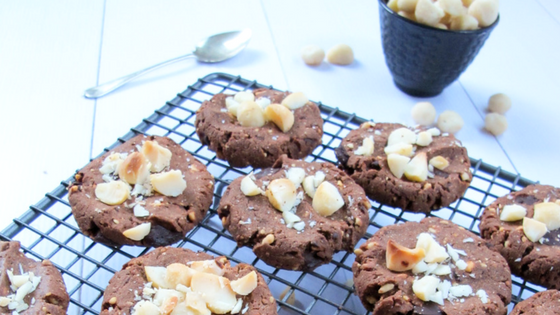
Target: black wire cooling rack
[(48, 230)]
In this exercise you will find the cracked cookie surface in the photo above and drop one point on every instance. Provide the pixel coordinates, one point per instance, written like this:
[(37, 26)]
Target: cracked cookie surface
[(170, 218), (540, 303), (380, 184), (257, 146), (537, 262)]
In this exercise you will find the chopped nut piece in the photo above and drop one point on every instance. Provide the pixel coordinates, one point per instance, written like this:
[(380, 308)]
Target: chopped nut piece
[(327, 199), (215, 290), (138, 232), (244, 96), (250, 114), (177, 273), (282, 194), (159, 156), (513, 213), (400, 258), (439, 162), (434, 131), (157, 276), (296, 175), (269, 239), (112, 193), (400, 148), (232, 105), (424, 138), (417, 169), (549, 214), (367, 147), (465, 176), (280, 116), (425, 287), (386, 288), (245, 284), (195, 304), (434, 251), (249, 188), (461, 290), (403, 135), (169, 183), (290, 218), (309, 186), (145, 308), (533, 229), (319, 178), (135, 168), (367, 124), (207, 266), (397, 164), (295, 100)]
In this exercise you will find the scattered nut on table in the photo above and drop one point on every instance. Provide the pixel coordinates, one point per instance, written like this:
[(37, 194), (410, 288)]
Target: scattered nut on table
[(312, 55), (495, 123), (450, 121), (340, 54), (499, 103), (423, 113)]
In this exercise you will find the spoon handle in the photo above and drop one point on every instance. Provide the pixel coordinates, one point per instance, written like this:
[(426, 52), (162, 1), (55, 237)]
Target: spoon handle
[(108, 87)]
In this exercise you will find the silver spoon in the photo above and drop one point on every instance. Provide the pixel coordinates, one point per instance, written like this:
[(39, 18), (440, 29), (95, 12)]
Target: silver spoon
[(215, 48)]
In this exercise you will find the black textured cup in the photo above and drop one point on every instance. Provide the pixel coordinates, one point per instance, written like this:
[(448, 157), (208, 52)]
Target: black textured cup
[(423, 60)]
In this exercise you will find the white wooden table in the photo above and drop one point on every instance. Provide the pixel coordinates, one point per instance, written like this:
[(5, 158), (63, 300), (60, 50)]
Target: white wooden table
[(50, 51)]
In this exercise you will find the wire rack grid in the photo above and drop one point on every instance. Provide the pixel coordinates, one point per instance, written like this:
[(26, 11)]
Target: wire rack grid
[(48, 230)]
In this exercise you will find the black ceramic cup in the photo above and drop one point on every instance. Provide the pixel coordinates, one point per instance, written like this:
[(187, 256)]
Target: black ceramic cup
[(423, 60)]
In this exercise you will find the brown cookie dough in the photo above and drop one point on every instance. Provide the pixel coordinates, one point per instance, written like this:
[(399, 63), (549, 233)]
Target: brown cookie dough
[(533, 261), (170, 217), (541, 303), (126, 288), (49, 295), (373, 173), (483, 272), (253, 221), (257, 146)]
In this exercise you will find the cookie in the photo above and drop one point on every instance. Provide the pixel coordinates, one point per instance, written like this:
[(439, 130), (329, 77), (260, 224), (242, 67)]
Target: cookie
[(541, 303), (324, 211), (524, 227), (147, 191), (178, 280), (417, 170), (430, 267), (250, 138), (39, 284)]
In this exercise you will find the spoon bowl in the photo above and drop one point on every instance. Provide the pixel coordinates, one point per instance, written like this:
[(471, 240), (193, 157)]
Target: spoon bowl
[(215, 48)]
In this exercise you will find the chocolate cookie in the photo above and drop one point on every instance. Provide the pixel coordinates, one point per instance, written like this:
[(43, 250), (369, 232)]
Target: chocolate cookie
[(172, 280), (430, 267), (309, 230), (39, 284), (509, 226), (248, 144), (541, 303), (171, 193), (389, 161)]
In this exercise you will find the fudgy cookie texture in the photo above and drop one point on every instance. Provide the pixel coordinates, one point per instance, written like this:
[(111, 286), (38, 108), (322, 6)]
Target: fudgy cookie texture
[(254, 222), (49, 295), (127, 287), (170, 217), (373, 174), (541, 303), (537, 262), (482, 272), (257, 146)]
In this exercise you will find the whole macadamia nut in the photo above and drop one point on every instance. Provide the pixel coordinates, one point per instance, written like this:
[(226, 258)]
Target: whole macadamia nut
[(453, 7), (499, 103), (407, 5), (312, 55), (485, 11), (428, 12), (423, 113), (450, 121), (340, 54), (495, 123)]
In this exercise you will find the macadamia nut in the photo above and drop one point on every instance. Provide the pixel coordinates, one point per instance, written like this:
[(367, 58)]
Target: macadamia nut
[(423, 113), (312, 55), (495, 123), (499, 103), (340, 54), (428, 12), (463, 23), (407, 5), (450, 121), (453, 7), (485, 11)]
